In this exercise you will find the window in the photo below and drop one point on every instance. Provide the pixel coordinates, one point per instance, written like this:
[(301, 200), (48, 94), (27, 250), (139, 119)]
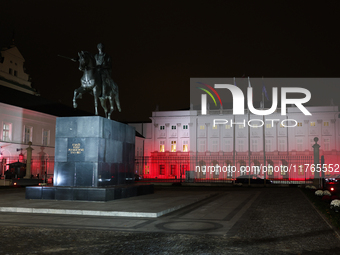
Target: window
[(268, 125), (185, 126), (161, 169), (214, 127), (268, 145), (301, 170), (282, 145), (312, 124), (28, 134), (185, 146), (15, 73), (240, 126), (173, 146), (299, 144), (227, 145), (326, 144), (161, 127), (201, 146), (173, 127), (240, 145), (299, 124), (202, 127), (270, 170), (161, 146), (214, 146), (46, 137), (227, 126), (173, 169), (6, 131), (281, 126), (326, 124), (254, 145), (10, 71)]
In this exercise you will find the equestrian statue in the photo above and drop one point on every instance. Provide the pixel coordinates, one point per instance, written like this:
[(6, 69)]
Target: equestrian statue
[(96, 80)]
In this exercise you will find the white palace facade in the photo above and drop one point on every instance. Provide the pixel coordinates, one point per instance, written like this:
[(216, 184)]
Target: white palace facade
[(176, 142), (19, 126)]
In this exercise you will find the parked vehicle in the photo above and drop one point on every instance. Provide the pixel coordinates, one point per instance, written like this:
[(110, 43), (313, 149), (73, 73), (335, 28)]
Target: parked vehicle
[(333, 183), (138, 177)]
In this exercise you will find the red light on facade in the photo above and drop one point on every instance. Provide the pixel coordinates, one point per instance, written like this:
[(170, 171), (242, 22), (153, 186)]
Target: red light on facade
[(332, 189)]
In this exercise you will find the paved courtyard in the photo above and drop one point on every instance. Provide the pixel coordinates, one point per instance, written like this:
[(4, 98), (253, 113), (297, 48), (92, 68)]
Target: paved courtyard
[(212, 221)]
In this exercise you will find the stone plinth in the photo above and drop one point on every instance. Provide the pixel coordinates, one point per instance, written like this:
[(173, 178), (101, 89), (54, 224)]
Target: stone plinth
[(93, 152)]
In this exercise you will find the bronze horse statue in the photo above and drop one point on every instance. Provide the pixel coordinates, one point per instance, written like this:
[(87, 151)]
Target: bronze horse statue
[(92, 82)]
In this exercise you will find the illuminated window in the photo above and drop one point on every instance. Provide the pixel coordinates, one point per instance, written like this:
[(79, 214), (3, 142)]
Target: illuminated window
[(173, 127), (300, 170), (269, 125), (227, 126), (46, 137), (326, 123), (270, 170), (173, 146), (185, 126), (28, 134), (240, 126), (161, 169), (312, 124), (202, 127), (282, 126), (214, 127), (6, 132), (161, 127), (185, 146), (161, 146), (299, 124), (173, 169)]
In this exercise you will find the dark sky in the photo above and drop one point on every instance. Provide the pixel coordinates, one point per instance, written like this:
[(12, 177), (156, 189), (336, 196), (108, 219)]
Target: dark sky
[(156, 46)]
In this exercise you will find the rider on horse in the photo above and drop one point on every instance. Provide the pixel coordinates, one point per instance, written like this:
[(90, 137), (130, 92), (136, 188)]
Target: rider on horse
[(104, 65)]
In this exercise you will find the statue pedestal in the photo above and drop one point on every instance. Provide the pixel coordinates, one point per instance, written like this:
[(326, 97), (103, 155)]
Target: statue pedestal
[(94, 161)]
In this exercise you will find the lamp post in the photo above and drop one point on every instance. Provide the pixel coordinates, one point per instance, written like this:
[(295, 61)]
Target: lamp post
[(28, 163), (316, 147)]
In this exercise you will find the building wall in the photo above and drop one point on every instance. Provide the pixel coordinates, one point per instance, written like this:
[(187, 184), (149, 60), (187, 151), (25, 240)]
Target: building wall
[(14, 121), (187, 138), (12, 73)]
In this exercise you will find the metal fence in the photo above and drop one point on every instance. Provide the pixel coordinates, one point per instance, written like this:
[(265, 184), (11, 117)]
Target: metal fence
[(40, 167), (281, 169)]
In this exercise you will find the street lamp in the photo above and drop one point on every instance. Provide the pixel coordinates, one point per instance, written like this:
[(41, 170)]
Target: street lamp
[(21, 156)]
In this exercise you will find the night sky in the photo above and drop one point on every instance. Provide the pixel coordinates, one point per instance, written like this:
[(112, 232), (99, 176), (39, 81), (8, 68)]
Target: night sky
[(156, 46)]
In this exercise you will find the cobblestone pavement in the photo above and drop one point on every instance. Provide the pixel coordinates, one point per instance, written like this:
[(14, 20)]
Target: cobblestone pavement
[(279, 221)]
